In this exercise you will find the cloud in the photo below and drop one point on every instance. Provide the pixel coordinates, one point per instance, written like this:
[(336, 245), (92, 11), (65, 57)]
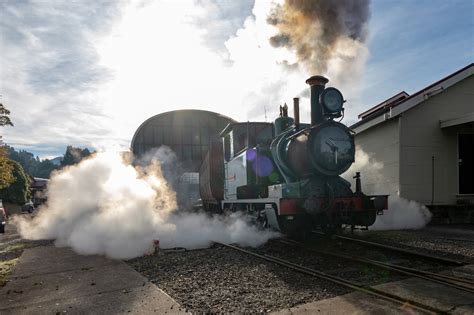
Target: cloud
[(49, 70), (220, 19), (178, 70), (406, 47), (56, 41), (89, 73)]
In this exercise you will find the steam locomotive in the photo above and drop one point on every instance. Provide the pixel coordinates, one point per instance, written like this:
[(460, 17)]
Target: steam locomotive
[(285, 174)]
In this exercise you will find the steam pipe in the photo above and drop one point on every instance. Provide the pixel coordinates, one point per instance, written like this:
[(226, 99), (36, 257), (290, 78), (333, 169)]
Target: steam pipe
[(317, 84), (358, 184), (296, 111)]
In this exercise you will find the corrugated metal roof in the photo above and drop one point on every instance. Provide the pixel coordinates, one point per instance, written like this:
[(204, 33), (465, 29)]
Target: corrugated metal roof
[(188, 133), (390, 109), (391, 102)]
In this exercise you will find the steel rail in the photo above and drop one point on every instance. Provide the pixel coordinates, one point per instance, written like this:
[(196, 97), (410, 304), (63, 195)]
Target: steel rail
[(387, 266), (401, 250), (431, 274), (452, 278), (349, 284), (366, 260), (459, 240)]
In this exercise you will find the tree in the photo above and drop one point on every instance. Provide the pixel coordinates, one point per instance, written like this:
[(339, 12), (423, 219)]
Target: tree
[(19, 190), (6, 169), (4, 119), (26, 159), (14, 183), (45, 168), (74, 155), (31, 163)]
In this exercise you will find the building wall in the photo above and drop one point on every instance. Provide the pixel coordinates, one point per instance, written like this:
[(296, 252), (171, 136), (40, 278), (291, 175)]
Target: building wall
[(381, 143), (422, 138)]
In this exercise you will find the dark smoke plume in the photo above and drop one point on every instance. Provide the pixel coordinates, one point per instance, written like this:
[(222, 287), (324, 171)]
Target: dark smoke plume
[(315, 29)]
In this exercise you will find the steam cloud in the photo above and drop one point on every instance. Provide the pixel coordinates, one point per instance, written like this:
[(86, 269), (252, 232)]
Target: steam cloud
[(104, 205), (401, 213), (325, 35)]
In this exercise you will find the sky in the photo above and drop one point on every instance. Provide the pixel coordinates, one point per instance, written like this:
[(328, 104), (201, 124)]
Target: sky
[(88, 73)]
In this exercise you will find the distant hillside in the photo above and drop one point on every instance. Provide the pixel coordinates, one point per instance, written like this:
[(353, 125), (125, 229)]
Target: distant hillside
[(32, 164), (57, 160), (36, 167)]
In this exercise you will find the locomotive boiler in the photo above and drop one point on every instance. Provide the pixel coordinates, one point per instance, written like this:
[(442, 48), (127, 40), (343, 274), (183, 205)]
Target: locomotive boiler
[(286, 174)]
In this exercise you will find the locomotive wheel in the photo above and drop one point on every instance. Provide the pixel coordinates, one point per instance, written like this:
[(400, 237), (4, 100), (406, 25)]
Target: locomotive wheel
[(328, 225), (301, 229), (366, 218), (262, 221)]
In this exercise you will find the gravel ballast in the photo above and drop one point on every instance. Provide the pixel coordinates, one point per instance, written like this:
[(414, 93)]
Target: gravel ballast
[(220, 279), (455, 242)]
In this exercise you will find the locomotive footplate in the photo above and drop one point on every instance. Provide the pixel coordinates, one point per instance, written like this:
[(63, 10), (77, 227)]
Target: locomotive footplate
[(378, 203), (352, 210)]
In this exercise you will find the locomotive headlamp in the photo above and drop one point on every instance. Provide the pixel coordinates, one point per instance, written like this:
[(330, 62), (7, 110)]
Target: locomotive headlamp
[(332, 100)]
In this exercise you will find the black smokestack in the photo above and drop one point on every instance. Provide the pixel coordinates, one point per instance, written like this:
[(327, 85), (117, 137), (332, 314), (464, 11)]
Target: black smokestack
[(317, 84), (314, 28)]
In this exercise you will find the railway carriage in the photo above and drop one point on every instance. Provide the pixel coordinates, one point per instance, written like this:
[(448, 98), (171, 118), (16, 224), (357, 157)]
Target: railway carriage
[(286, 174)]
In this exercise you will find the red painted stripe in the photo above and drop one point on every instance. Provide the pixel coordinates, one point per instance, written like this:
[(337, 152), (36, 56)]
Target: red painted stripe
[(288, 206)]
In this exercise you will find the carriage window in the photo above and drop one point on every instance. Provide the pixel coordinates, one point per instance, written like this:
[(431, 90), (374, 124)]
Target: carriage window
[(238, 139), (240, 142)]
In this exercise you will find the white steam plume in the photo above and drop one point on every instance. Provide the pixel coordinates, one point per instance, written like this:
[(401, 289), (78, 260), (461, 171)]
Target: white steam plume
[(401, 213), (104, 205)]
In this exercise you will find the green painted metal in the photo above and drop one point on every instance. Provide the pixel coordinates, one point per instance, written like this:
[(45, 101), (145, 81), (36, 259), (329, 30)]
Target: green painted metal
[(283, 123)]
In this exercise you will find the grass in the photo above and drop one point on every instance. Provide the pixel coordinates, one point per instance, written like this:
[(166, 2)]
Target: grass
[(16, 246), (5, 268), (9, 257)]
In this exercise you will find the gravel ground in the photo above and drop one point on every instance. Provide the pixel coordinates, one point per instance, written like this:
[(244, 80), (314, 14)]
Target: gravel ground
[(224, 280), (448, 241), (219, 279), (374, 275), (356, 272)]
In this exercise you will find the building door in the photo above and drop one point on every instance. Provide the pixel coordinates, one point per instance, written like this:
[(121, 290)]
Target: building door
[(466, 163)]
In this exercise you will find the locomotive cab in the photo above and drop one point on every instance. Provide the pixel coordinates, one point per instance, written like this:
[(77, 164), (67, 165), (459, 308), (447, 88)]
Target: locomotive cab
[(248, 166)]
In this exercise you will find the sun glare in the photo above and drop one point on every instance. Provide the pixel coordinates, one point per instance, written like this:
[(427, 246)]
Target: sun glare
[(160, 62)]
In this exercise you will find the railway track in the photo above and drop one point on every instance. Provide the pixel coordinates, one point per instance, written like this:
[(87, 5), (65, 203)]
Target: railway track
[(442, 260), (446, 280), (459, 240), (404, 302)]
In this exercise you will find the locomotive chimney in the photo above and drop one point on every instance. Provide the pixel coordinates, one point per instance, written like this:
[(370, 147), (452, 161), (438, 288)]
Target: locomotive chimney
[(296, 111), (317, 84)]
